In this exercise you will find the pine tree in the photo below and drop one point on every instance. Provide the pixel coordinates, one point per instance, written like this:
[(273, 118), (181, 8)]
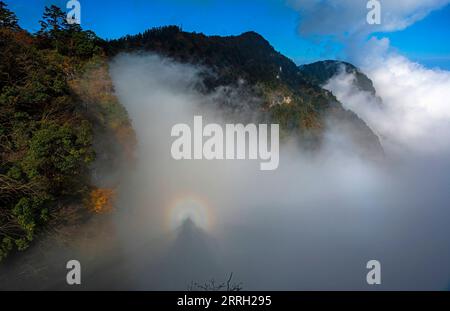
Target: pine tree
[(53, 22), (7, 18)]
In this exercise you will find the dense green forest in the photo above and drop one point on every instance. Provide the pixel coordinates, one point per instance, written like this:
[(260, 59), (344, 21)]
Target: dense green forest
[(46, 131)]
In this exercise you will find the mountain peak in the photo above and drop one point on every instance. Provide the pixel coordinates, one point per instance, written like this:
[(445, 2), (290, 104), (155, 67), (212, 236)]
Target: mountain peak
[(322, 71), (252, 35)]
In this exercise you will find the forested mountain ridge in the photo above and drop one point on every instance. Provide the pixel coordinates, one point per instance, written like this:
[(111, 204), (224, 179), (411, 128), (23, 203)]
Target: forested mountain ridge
[(292, 96)]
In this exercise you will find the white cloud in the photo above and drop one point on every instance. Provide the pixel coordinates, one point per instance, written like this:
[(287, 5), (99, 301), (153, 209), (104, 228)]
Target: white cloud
[(348, 17), (415, 115)]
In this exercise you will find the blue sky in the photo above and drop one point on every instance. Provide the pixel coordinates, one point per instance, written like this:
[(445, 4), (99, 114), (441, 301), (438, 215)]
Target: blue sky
[(426, 41)]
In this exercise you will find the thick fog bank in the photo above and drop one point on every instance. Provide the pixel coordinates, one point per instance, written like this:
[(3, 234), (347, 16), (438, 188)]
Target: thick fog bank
[(313, 223)]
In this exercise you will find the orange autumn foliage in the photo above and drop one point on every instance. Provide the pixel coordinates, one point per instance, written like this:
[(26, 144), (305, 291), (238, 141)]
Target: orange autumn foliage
[(102, 200)]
